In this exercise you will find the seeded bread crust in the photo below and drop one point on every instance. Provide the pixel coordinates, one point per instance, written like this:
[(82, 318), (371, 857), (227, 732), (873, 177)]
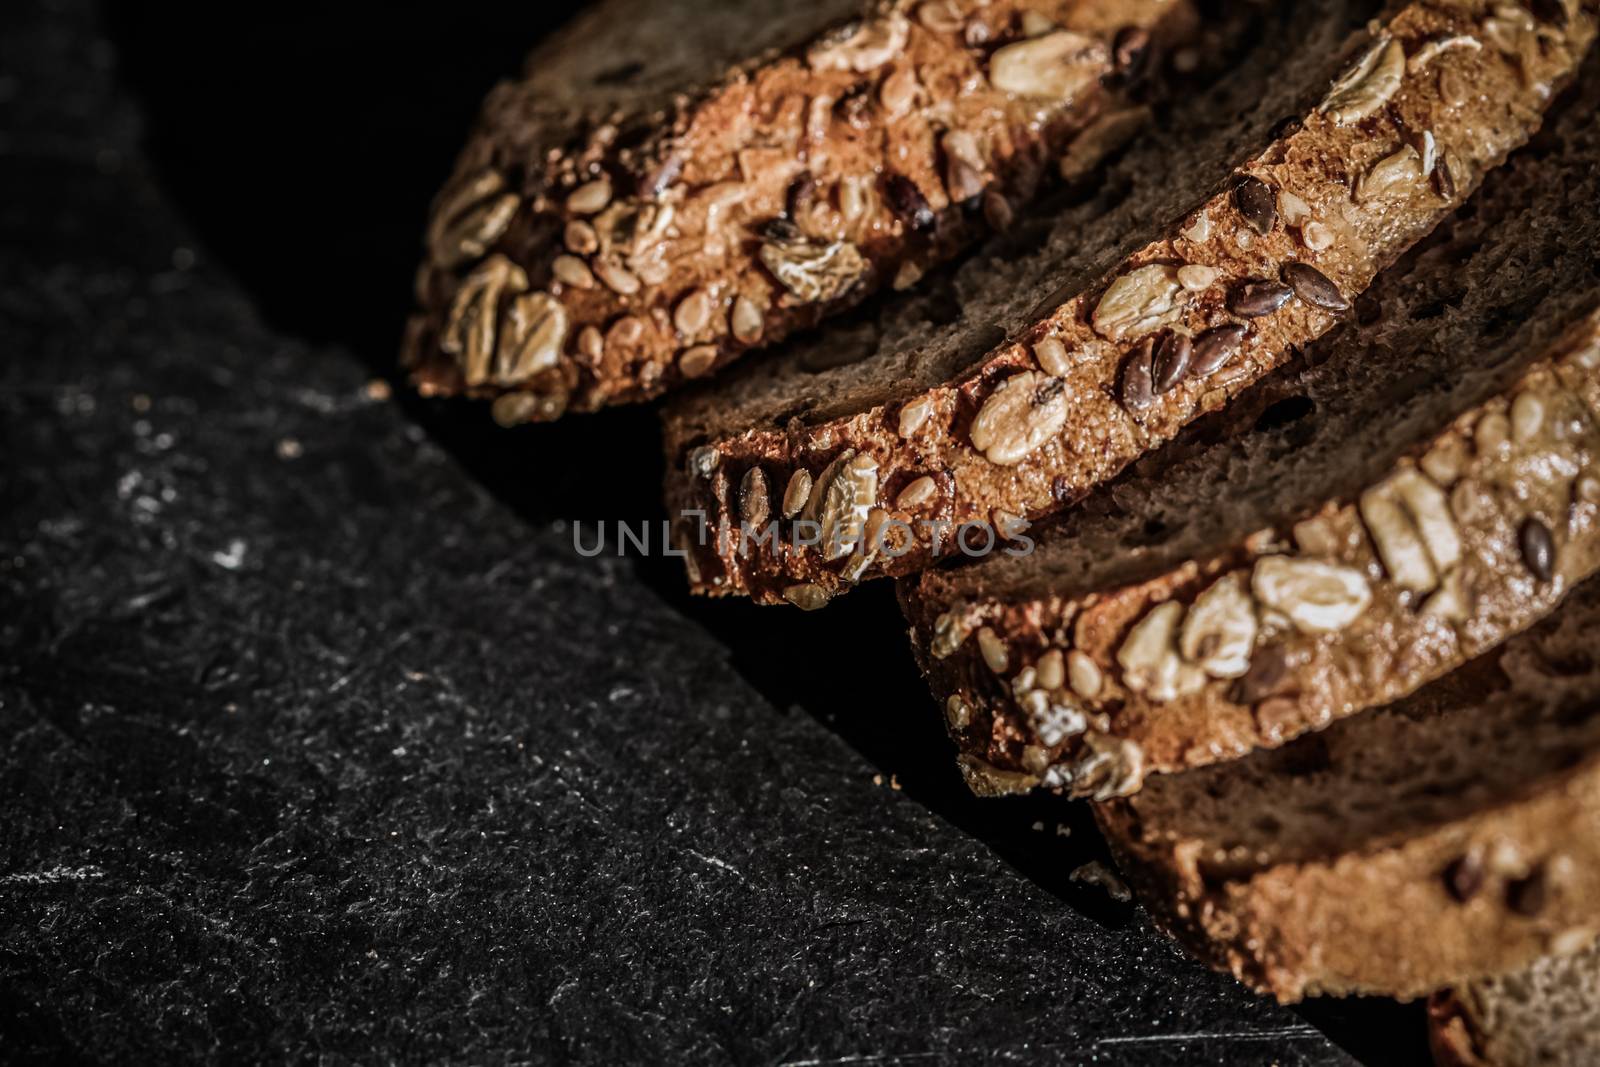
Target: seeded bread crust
[(673, 183), (950, 425), (1434, 488), (1545, 1016), (1451, 836)]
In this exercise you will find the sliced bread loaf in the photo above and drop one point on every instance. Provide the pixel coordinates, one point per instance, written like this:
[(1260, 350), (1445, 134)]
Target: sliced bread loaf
[(1452, 835), (672, 182), (1423, 484), (1545, 1016), (1055, 358)]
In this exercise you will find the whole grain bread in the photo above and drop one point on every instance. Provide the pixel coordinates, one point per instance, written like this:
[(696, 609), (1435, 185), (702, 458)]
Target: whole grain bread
[(1452, 835), (672, 182), (1066, 350), (1424, 483), (1545, 1016)]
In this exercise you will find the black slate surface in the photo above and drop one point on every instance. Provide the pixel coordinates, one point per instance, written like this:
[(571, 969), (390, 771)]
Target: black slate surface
[(317, 738)]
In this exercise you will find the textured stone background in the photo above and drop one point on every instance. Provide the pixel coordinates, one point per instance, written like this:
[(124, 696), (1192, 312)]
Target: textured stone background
[(318, 741)]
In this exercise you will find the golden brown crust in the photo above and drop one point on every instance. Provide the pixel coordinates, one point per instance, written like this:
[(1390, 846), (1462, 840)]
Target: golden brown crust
[(1032, 427), (604, 246)]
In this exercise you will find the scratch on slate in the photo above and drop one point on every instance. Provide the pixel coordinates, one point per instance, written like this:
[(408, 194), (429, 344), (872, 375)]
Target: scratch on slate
[(868, 1057), (1293, 1033), (52, 875), (730, 868)]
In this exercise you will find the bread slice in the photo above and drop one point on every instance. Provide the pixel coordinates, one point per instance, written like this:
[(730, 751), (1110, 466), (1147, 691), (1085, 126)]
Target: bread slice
[(1027, 380), (1425, 483), (1452, 835), (672, 183), (1545, 1016)]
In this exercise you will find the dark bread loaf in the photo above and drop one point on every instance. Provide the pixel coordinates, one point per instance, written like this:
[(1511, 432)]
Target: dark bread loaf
[(1036, 374), (1545, 1016), (674, 182), (1423, 484), (1452, 835)]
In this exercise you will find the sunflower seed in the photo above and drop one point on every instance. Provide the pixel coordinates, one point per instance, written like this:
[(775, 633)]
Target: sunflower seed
[(806, 596), (1538, 549), (703, 461), (1257, 204), (1051, 355), (618, 278), (1050, 670), (1169, 364), (697, 362), (856, 197), (590, 197), (1314, 287), (796, 493), (950, 631), (1292, 209), (940, 16), (1317, 597), (531, 334), (1399, 544), (472, 324), (1215, 347), (1084, 675), (1316, 236), (1492, 435), (916, 494), (1219, 632), (1138, 377), (1437, 45), (625, 332), (1056, 66), (591, 346), (956, 712), (1140, 302), (840, 500), (993, 650), (1527, 417), (652, 183), (692, 313), (754, 506), (913, 415), (1257, 297), (898, 92), (813, 271), (1368, 85), (581, 238), (964, 166), (570, 270), (862, 47), (1390, 175), (469, 218), (1026, 410), (907, 201), (1197, 278), (745, 321), (1149, 657)]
